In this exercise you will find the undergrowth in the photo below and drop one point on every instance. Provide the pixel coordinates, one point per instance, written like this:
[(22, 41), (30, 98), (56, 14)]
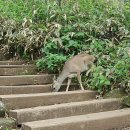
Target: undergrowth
[(53, 32)]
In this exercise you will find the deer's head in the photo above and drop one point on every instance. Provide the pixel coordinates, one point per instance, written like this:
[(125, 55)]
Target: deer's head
[(56, 85)]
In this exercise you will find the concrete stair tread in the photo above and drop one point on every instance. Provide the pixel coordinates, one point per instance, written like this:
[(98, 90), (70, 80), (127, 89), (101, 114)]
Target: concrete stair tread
[(64, 110), (95, 121), (17, 66), (26, 79), (8, 62), (97, 101), (51, 93), (27, 76), (18, 101), (24, 86), (10, 70), (24, 89)]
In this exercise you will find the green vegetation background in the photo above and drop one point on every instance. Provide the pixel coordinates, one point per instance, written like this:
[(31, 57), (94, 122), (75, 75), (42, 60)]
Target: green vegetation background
[(54, 30)]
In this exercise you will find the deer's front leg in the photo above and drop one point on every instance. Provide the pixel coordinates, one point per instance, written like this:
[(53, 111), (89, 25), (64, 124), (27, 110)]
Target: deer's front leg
[(79, 79), (68, 84)]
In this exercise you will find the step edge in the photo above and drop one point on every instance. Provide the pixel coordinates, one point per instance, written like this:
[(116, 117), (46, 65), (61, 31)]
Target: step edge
[(79, 118)]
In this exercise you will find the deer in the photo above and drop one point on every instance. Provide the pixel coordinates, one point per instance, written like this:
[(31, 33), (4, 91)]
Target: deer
[(73, 68)]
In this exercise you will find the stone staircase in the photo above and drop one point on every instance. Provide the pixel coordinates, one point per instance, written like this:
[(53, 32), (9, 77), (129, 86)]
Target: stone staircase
[(28, 97)]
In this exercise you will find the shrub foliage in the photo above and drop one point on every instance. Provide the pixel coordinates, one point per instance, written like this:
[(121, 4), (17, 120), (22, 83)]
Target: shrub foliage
[(54, 30)]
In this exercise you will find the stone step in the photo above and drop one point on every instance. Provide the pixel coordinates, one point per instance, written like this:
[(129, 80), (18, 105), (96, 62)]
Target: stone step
[(17, 69), (16, 66), (64, 110), (12, 62), (19, 101), (26, 89), (109, 120), (25, 80)]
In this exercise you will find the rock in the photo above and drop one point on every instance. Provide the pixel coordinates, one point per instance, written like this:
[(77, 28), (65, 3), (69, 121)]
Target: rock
[(2, 109), (116, 93)]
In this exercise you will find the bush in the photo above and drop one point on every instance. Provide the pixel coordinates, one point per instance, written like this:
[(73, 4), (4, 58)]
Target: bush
[(112, 67), (52, 62), (56, 31)]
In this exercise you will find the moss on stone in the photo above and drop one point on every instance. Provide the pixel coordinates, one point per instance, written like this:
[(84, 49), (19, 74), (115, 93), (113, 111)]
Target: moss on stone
[(2, 109), (7, 124), (116, 93), (126, 101)]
